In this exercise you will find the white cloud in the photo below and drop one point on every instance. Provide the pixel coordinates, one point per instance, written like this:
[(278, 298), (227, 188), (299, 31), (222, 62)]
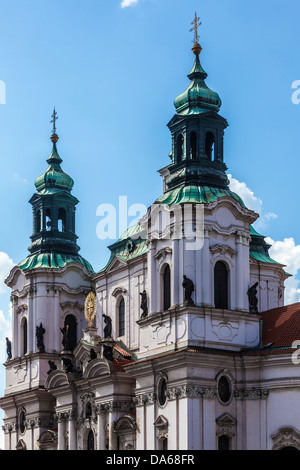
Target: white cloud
[(251, 201), (285, 252), (128, 3), (19, 179), (6, 264), (288, 253)]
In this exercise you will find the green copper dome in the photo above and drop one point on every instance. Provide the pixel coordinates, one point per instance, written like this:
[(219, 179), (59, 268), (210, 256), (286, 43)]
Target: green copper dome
[(197, 98), (54, 179)]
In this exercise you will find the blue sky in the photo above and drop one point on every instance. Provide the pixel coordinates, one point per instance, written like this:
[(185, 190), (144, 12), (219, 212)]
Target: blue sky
[(113, 70)]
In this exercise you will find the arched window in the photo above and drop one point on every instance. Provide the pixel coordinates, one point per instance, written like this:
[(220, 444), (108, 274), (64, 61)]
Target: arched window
[(166, 288), (221, 285), (70, 328), (179, 148), (90, 441), (48, 219), (121, 318), (24, 336), (209, 145), (62, 218), (38, 221), (193, 145)]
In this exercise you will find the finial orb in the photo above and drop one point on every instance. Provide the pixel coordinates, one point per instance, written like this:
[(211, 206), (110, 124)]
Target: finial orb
[(196, 48), (54, 138)]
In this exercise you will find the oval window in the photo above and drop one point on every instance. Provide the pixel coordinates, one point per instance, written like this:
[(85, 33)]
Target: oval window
[(162, 392), (22, 422), (224, 389)]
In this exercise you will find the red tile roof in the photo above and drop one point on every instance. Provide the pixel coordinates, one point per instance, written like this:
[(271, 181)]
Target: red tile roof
[(281, 326)]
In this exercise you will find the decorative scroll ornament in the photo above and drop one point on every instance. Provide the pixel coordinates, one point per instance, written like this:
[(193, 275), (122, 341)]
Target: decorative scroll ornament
[(90, 308)]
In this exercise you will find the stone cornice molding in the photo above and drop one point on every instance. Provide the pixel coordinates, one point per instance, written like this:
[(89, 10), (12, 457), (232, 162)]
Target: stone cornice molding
[(223, 250), (251, 394), (109, 406), (119, 290), (242, 236), (9, 427), (163, 253), (145, 399), (71, 306)]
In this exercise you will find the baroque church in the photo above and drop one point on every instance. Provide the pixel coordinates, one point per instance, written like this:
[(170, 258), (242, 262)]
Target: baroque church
[(181, 342)]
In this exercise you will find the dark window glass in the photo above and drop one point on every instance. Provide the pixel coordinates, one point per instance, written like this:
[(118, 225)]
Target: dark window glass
[(122, 317), (223, 443), (167, 287), (48, 220), (62, 218), (25, 336), (88, 410), (289, 448), (162, 392), (22, 422), (221, 285), (71, 336), (179, 148), (224, 389), (91, 441), (38, 221), (193, 145), (209, 145)]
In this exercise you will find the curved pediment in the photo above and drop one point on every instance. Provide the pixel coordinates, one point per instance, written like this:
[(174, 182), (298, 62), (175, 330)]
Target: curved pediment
[(96, 368), (56, 379)]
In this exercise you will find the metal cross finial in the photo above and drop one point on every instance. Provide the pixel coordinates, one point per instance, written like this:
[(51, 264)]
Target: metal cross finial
[(196, 25), (54, 118)]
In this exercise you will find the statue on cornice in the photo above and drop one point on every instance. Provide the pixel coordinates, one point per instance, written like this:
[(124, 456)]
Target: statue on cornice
[(144, 305), (8, 349), (40, 331), (253, 300), (188, 286), (108, 327)]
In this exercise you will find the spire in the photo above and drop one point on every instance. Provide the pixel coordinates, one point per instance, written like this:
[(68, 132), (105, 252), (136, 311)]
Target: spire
[(196, 47), (198, 97), (197, 133), (54, 157), (54, 179)]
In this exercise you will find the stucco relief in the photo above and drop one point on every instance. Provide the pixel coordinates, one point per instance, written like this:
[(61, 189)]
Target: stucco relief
[(224, 330), (197, 327)]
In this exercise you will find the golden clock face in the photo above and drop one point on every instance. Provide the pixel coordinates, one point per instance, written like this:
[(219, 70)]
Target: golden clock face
[(90, 308)]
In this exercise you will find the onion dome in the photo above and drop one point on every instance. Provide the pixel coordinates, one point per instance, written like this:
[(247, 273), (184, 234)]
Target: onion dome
[(197, 98), (54, 179)]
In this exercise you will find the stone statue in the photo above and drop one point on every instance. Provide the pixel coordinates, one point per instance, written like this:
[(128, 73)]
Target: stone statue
[(107, 328), (93, 354), (108, 352), (8, 349), (188, 286), (40, 331), (52, 367), (252, 296), (144, 305), (68, 365), (64, 331)]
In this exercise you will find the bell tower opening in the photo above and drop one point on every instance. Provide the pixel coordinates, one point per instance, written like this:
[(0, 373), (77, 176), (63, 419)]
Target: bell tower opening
[(209, 145)]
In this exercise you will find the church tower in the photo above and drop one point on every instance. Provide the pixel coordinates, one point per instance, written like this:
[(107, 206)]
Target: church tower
[(49, 288)]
